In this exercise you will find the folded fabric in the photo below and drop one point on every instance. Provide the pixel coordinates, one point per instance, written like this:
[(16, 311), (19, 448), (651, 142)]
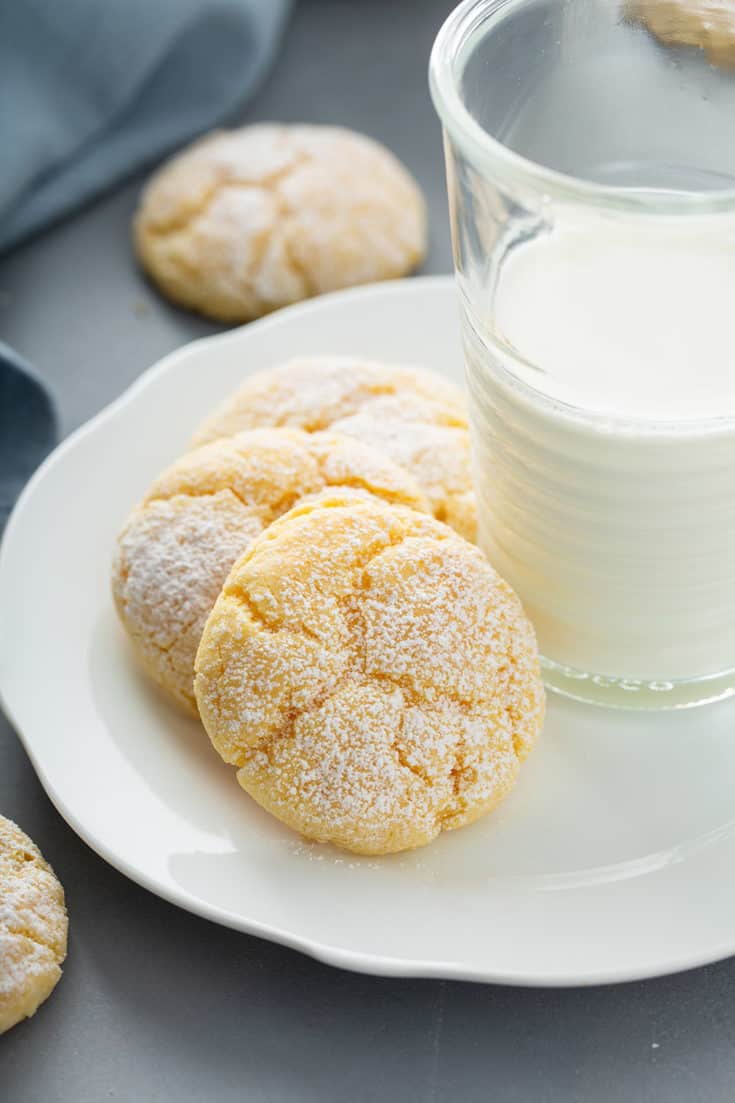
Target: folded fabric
[(28, 428), (93, 89)]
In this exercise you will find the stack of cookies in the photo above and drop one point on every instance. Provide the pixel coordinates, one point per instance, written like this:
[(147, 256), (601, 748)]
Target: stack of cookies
[(305, 580)]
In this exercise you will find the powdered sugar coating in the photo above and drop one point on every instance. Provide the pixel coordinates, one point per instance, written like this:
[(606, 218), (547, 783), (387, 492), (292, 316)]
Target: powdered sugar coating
[(438, 456), (33, 926), (370, 675), (412, 415), (177, 547), (244, 221)]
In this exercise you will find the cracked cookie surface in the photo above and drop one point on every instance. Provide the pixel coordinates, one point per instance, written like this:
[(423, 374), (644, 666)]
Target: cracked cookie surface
[(415, 416), (248, 220), (177, 546), (371, 677), (33, 926)]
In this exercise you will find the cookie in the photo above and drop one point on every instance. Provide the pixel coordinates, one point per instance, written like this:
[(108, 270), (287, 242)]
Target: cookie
[(371, 677), (200, 515), (707, 24), (33, 927), (412, 415), (248, 220)]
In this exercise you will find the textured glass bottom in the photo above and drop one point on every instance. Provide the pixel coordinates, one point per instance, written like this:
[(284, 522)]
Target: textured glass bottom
[(627, 693)]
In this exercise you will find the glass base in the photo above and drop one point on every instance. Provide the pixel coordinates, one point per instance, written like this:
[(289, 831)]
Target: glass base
[(627, 693)]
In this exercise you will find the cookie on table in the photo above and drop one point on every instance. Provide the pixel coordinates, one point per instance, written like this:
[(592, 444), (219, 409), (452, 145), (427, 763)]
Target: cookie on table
[(412, 415), (371, 677), (178, 545), (245, 221), (707, 24), (33, 926)]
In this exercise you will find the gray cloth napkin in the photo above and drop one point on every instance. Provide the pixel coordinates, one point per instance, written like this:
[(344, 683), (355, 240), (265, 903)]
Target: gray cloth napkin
[(93, 89), (28, 428)]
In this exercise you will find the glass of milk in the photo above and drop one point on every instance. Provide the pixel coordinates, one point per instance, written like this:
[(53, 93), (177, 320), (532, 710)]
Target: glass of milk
[(590, 149)]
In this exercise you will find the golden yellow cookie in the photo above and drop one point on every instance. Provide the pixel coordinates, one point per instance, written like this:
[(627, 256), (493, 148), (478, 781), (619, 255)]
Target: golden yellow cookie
[(412, 415), (706, 24), (199, 516), (369, 674), (33, 926), (248, 220)]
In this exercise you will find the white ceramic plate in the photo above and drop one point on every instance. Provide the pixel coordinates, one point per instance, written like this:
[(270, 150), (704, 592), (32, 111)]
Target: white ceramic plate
[(612, 859)]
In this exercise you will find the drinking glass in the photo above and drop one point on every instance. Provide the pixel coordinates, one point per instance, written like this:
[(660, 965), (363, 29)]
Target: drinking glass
[(590, 153)]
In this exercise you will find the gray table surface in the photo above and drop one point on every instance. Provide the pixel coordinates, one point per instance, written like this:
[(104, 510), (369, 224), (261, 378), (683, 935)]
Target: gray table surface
[(156, 1004)]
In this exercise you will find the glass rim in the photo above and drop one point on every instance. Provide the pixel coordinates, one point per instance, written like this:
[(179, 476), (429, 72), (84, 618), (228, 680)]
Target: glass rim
[(451, 46)]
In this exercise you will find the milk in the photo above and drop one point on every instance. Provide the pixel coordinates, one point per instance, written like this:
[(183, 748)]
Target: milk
[(626, 320), (604, 425)]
